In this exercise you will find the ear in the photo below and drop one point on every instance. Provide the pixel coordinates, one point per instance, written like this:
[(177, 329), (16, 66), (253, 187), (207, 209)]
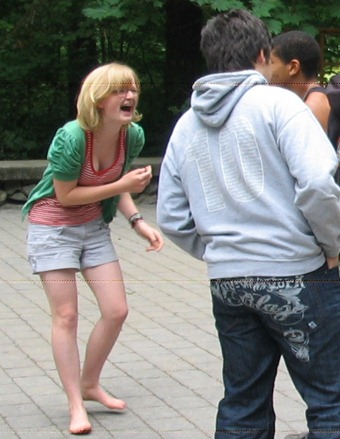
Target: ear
[(262, 65), (294, 67), (261, 59)]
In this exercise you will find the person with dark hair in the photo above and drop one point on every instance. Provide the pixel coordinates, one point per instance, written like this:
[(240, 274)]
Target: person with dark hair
[(333, 95), (247, 185), (296, 64)]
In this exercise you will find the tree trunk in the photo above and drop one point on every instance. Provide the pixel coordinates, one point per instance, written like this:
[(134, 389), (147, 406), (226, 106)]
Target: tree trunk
[(183, 63)]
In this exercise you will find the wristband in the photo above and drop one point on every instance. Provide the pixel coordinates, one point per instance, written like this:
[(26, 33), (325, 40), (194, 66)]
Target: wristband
[(134, 219)]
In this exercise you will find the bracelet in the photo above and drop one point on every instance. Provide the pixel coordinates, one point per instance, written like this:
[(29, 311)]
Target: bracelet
[(134, 219)]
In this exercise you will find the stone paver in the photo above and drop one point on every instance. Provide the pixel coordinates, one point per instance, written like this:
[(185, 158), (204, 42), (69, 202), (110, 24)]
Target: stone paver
[(166, 363)]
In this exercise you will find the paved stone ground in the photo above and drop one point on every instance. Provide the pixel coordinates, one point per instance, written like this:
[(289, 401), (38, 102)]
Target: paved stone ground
[(166, 363)]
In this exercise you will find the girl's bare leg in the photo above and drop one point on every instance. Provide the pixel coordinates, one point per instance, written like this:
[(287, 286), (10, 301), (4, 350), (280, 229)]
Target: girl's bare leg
[(61, 291), (107, 285)]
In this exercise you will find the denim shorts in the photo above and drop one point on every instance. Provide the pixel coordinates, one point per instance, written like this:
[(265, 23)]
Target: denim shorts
[(61, 247)]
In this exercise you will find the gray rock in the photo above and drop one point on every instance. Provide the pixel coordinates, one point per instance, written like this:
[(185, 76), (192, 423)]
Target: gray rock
[(3, 197)]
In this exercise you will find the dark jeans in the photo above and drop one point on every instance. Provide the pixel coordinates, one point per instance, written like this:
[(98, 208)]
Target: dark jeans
[(258, 319)]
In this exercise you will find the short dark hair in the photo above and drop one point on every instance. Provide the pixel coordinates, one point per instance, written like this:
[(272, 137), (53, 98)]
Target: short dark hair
[(302, 46), (232, 41)]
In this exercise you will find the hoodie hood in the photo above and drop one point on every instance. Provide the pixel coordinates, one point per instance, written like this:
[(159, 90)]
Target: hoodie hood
[(215, 96)]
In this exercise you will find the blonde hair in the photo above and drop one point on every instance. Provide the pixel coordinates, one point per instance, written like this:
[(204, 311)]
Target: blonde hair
[(98, 85)]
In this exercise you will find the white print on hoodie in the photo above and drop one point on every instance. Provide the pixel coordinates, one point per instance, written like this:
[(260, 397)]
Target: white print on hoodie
[(247, 181)]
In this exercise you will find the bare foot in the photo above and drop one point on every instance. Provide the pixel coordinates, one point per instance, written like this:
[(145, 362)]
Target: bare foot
[(79, 422), (99, 395)]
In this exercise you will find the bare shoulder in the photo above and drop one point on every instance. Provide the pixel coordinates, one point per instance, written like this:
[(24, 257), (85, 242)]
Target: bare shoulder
[(318, 99), (319, 104)]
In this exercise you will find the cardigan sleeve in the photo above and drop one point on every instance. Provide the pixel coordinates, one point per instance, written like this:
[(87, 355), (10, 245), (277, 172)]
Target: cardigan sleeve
[(136, 140), (65, 156)]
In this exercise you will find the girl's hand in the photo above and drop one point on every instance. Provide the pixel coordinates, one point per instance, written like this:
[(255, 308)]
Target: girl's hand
[(152, 235), (136, 181)]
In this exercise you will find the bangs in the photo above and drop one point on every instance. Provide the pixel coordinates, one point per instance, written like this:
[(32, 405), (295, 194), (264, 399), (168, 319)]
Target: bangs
[(110, 78), (121, 78)]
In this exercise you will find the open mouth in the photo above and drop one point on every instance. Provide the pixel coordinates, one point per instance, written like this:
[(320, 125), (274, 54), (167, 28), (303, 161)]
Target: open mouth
[(126, 108)]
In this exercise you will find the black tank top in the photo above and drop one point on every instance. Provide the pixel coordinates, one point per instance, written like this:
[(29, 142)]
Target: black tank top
[(317, 88)]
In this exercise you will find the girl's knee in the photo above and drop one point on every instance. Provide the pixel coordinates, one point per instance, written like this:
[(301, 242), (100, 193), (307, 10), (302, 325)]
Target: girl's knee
[(126, 313), (122, 314), (117, 315), (66, 321)]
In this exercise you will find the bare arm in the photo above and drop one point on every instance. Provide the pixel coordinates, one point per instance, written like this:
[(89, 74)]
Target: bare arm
[(69, 193), (128, 208), (320, 107), (126, 205)]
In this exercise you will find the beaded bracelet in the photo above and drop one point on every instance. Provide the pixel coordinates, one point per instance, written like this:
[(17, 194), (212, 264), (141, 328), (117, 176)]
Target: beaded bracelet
[(134, 219)]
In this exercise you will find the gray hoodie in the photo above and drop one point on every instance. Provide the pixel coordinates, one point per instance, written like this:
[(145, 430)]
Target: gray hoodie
[(247, 181)]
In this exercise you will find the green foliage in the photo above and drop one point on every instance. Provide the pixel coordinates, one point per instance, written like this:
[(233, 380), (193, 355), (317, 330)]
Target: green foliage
[(34, 67), (133, 32), (47, 47), (283, 14), (222, 5), (129, 15)]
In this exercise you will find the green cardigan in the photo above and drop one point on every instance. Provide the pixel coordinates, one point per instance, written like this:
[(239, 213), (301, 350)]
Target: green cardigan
[(66, 156)]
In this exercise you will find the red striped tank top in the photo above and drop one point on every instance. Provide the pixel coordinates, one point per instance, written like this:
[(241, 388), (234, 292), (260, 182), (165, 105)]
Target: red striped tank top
[(49, 211)]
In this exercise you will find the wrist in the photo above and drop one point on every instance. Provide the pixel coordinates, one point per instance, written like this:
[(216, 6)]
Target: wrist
[(134, 219)]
